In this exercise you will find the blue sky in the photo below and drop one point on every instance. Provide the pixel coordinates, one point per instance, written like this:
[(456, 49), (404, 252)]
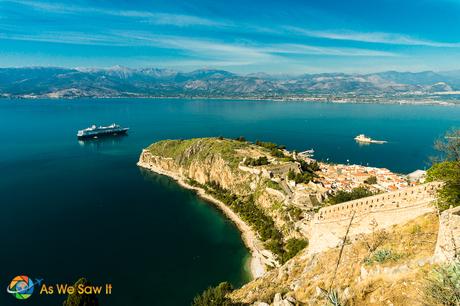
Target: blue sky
[(282, 37)]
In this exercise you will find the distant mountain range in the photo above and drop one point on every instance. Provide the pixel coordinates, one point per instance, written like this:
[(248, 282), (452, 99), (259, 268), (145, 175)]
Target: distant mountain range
[(49, 82)]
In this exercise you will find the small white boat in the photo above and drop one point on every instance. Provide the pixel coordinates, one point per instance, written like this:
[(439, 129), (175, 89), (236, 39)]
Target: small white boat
[(364, 139)]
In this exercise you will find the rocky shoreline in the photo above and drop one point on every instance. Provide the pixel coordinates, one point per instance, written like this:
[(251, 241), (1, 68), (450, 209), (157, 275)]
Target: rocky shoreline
[(257, 262)]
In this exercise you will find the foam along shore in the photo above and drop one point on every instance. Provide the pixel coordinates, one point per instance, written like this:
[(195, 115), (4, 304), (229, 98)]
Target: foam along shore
[(258, 260)]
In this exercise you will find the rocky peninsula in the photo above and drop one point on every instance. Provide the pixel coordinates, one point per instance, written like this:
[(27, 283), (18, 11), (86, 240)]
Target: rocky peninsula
[(219, 170), (379, 250)]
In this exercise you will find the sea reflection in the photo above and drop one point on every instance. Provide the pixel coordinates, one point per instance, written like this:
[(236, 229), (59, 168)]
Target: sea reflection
[(158, 179), (102, 142)]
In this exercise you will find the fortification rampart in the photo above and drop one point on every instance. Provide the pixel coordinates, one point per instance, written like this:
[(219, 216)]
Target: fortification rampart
[(378, 203), (448, 244), (372, 213)]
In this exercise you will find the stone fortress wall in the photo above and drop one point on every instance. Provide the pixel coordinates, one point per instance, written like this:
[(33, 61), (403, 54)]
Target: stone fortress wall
[(330, 224), (448, 244)]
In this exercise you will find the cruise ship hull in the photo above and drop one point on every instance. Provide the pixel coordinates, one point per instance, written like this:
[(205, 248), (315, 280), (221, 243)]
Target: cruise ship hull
[(98, 134)]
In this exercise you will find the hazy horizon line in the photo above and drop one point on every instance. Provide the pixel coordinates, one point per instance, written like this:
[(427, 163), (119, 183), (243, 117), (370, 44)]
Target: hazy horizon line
[(106, 68)]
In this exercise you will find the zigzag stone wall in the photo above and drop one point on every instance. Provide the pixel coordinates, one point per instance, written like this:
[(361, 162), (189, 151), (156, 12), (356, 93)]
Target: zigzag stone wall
[(329, 225)]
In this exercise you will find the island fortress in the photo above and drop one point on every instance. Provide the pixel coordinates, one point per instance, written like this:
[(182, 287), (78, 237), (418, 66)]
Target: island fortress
[(330, 223)]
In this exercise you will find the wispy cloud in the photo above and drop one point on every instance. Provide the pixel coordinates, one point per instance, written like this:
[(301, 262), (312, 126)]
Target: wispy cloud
[(184, 20), (316, 50), (371, 37), (159, 18), (74, 38), (180, 64), (200, 47), (212, 42), (249, 52)]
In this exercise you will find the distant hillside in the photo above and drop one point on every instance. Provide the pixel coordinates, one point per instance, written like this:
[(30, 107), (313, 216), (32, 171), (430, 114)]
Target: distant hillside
[(50, 82)]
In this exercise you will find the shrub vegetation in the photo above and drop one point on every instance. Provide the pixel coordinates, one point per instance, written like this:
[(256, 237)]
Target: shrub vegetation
[(294, 212), (309, 167), (381, 256), (215, 296), (275, 150), (299, 178), (443, 286), (268, 145), (345, 196), (371, 180), (184, 151), (256, 218), (261, 161), (277, 153), (446, 169), (274, 185), (292, 247)]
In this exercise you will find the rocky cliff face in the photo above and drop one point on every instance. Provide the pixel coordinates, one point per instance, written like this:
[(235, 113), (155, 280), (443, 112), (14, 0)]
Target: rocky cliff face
[(212, 168), (219, 161)]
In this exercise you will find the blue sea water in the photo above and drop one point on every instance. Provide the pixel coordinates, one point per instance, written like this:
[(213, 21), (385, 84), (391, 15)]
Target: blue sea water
[(70, 209)]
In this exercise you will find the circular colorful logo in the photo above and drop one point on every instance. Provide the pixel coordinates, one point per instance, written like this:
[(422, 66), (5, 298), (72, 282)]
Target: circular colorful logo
[(21, 287)]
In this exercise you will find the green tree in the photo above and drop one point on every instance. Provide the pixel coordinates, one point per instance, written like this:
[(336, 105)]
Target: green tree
[(277, 153), (256, 162), (446, 168), (276, 247), (345, 196), (76, 299), (292, 247), (314, 166), (300, 178), (267, 145), (449, 146), (449, 173), (371, 180), (309, 167), (215, 296)]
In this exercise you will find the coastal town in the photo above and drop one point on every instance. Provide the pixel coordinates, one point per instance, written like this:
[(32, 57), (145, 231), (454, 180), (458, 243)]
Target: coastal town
[(334, 176), (308, 183), (347, 177)]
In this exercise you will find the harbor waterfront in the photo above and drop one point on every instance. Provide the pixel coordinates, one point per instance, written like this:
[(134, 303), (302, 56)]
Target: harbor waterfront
[(103, 218)]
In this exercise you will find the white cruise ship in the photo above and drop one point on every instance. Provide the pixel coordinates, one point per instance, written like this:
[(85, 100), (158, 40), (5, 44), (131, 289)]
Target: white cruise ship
[(96, 131)]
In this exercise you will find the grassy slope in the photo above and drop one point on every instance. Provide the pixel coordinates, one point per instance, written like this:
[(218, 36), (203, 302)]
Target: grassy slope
[(412, 242), (183, 151)]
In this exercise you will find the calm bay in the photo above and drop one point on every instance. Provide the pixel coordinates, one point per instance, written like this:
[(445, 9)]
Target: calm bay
[(70, 208)]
